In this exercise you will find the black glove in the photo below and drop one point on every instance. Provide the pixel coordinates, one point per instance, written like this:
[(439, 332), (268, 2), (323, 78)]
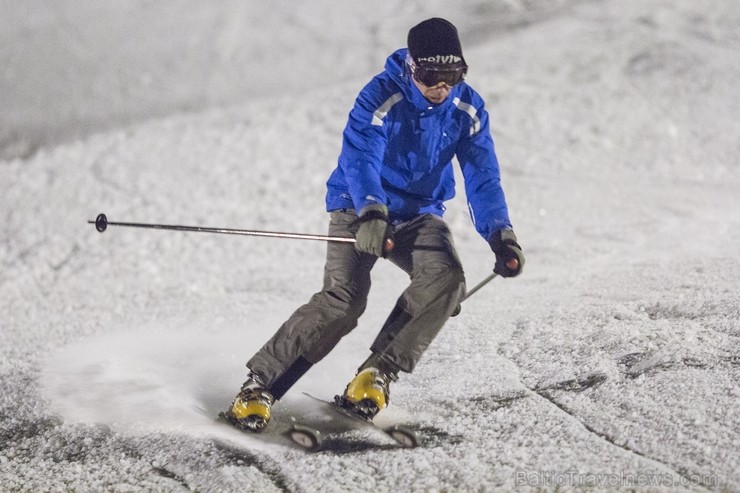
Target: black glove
[(374, 232), (509, 256)]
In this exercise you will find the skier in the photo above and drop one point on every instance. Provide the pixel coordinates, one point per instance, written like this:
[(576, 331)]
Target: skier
[(393, 176)]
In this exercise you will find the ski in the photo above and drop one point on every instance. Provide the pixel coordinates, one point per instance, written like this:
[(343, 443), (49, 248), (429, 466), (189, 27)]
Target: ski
[(345, 419)]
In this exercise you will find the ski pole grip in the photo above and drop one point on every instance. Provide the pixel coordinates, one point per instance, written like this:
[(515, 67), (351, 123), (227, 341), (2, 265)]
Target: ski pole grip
[(388, 245)]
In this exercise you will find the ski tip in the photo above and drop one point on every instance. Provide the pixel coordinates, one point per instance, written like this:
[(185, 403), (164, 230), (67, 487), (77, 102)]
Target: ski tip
[(305, 437), (405, 437)]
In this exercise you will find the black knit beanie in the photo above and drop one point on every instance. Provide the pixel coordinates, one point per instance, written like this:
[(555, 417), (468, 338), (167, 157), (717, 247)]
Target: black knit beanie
[(435, 41)]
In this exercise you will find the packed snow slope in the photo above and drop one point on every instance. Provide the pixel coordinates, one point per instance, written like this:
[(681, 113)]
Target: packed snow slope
[(611, 363)]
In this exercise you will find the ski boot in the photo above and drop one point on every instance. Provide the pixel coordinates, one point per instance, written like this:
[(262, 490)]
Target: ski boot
[(367, 394), (251, 409)]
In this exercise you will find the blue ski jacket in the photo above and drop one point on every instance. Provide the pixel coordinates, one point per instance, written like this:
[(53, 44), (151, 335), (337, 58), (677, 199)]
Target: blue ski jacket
[(398, 148)]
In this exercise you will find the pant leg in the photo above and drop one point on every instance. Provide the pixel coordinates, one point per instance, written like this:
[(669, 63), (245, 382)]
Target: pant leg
[(316, 327), (425, 250)]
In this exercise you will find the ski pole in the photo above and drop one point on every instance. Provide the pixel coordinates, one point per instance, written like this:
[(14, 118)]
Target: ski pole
[(471, 292), (478, 286), (511, 264), (101, 224)]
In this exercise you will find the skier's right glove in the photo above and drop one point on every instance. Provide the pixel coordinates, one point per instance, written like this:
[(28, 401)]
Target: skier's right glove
[(374, 232), (509, 256)]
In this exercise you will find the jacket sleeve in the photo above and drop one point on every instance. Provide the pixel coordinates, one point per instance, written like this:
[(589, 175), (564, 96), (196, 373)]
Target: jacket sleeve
[(477, 158), (363, 147)]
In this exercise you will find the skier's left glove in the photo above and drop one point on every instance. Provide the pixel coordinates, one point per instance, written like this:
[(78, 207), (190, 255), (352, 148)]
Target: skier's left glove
[(374, 232), (509, 256)]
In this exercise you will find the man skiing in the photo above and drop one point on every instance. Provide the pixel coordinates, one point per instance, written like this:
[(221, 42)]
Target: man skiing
[(394, 173)]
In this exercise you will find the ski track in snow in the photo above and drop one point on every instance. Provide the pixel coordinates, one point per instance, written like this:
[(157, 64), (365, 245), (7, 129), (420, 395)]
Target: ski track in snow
[(615, 357)]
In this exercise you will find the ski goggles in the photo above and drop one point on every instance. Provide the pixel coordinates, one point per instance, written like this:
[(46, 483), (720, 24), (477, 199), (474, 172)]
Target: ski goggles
[(432, 74)]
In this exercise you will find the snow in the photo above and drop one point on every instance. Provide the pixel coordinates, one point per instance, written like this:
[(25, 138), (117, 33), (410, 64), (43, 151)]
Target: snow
[(613, 362)]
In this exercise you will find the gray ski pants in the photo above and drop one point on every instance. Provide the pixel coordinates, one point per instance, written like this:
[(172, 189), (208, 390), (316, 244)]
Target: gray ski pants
[(423, 248)]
